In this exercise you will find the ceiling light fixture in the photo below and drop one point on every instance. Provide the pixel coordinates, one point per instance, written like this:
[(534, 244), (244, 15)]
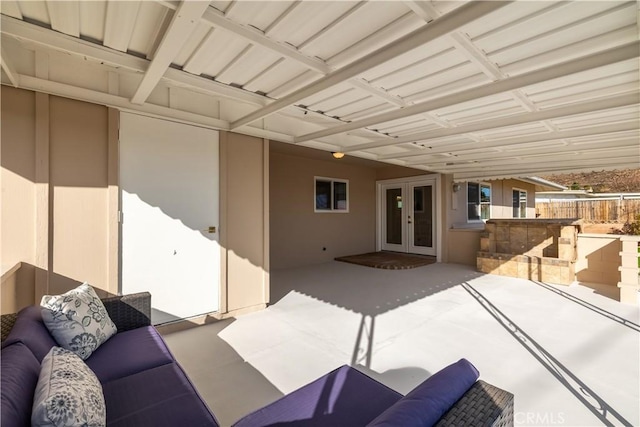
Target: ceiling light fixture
[(337, 154)]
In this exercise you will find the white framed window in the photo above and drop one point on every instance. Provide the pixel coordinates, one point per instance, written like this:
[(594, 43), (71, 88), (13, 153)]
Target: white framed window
[(519, 203), (331, 195), (478, 201)]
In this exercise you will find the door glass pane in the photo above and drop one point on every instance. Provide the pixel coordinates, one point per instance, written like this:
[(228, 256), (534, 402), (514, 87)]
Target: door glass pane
[(423, 216), (394, 216)]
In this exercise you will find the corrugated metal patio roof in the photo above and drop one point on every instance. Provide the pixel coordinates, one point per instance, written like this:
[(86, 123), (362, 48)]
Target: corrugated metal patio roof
[(473, 89)]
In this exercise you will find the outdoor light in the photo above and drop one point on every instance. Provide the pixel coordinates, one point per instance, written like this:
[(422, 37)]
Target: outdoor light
[(456, 187), (337, 154)]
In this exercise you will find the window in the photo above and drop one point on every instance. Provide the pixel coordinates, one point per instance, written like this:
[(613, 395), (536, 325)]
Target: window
[(478, 201), (519, 203), (331, 195)]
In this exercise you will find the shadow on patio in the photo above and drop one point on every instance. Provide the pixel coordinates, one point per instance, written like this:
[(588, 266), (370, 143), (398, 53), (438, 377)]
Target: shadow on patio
[(569, 355)]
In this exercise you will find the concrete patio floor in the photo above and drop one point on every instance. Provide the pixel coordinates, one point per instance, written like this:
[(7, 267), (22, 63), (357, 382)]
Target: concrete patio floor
[(570, 355)]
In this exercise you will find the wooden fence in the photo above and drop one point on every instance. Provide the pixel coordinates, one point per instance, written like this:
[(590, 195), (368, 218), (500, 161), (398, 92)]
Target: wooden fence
[(591, 211)]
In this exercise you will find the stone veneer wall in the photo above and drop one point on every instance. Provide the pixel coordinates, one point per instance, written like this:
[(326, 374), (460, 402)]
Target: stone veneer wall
[(535, 249)]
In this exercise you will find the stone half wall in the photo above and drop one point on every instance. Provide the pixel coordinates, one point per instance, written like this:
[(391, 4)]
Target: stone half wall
[(535, 249)]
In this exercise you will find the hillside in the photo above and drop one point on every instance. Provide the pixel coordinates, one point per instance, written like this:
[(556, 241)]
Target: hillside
[(623, 181)]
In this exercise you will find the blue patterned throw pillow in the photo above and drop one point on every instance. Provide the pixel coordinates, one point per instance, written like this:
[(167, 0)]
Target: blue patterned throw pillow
[(68, 393), (77, 320)]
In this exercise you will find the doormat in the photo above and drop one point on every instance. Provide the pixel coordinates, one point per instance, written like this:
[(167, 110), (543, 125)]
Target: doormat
[(389, 260)]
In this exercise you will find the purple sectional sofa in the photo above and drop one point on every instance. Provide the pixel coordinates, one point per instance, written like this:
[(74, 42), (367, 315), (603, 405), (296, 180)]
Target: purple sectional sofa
[(346, 397), (143, 384)]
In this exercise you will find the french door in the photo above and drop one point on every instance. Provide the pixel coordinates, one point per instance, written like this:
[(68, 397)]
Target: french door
[(408, 217)]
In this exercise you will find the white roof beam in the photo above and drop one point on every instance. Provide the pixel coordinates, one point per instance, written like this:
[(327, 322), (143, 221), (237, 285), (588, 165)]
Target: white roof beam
[(392, 99), (9, 69), (96, 97), (377, 92), (529, 117), (610, 56), (550, 157), (438, 28), (124, 104), (217, 19), (65, 16), (184, 22), (33, 33), (445, 147), (119, 23)]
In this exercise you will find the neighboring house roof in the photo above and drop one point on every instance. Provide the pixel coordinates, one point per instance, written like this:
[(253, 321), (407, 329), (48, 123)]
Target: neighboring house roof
[(482, 89), (543, 184)]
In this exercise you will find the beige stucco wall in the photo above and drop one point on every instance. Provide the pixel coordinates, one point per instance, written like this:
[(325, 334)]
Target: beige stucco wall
[(501, 199), (463, 246), (299, 236), (78, 175), (60, 203), (54, 195), (244, 224), (393, 172), (17, 232), (598, 259)]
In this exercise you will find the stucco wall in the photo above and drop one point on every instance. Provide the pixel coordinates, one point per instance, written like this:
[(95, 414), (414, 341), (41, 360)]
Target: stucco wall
[(55, 194), (18, 196), (60, 202), (598, 259), (244, 225), (501, 201), (299, 236), (78, 175), (463, 246)]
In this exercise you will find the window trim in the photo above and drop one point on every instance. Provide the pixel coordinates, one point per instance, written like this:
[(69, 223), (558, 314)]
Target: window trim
[(332, 181), (466, 195), (526, 202)]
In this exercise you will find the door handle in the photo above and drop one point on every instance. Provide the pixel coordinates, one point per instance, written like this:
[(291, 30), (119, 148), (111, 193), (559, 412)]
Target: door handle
[(210, 230)]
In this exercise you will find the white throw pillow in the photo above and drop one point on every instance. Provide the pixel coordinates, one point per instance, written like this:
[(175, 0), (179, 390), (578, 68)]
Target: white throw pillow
[(77, 320), (68, 393)]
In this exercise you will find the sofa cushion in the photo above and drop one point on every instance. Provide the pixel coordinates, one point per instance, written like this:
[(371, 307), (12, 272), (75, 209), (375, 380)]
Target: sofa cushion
[(68, 393), (128, 353), (424, 405), (77, 320), (19, 376), (343, 397), (158, 397), (31, 331)]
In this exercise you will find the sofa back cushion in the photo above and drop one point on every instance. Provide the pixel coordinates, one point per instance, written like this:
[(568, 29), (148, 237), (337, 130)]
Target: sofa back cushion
[(425, 404), (19, 376), (30, 330)]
